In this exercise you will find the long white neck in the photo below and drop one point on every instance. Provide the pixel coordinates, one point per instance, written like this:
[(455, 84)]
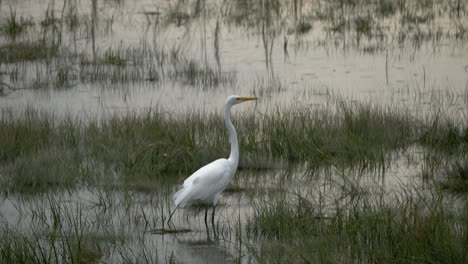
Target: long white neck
[(234, 156)]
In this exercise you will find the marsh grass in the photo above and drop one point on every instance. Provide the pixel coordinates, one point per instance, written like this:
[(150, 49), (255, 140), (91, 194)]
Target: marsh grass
[(72, 19), (445, 160), (61, 231), (133, 161), (193, 73), (39, 173), (456, 178), (56, 62), (147, 63), (445, 136), (414, 23), (26, 51), (410, 229), (14, 26), (359, 135), (38, 150), (86, 226), (386, 7), (138, 152)]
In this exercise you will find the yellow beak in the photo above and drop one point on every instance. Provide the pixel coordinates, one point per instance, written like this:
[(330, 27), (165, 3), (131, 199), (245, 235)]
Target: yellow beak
[(247, 98)]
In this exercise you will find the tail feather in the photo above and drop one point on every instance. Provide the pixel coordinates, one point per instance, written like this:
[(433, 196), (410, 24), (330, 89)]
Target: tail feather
[(180, 197)]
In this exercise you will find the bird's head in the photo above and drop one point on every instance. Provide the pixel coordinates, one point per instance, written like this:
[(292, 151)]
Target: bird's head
[(235, 99)]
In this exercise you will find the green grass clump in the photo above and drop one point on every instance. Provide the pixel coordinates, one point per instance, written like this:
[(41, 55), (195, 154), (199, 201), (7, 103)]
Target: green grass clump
[(444, 136), (14, 26), (115, 65), (358, 135), (386, 7), (37, 154), (24, 135), (102, 73), (15, 248), (113, 58), (456, 178), (303, 27), (416, 18), (72, 20), (19, 248), (26, 51), (193, 73), (446, 146), (58, 232), (45, 170), (146, 63), (363, 25), (148, 146), (416, 230)]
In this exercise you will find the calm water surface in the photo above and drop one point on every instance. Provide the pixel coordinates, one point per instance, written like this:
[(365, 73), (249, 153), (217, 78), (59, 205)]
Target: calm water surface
[(311, 69)]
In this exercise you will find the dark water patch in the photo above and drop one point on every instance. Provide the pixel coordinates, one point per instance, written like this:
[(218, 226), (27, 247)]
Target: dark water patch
[(165, 231)]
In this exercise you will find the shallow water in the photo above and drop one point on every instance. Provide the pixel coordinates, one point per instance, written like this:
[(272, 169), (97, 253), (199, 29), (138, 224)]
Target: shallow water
[(129, 217), (122, 222), (315, 70), (314, 67)]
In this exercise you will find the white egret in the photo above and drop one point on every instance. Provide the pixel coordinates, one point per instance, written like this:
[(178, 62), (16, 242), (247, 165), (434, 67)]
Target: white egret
[(206, 184)]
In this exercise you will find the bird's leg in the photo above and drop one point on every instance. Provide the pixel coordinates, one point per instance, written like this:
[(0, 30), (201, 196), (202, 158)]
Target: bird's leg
[(208, 237), (206, 215), (212, 221), (169, 220), (212, 216)]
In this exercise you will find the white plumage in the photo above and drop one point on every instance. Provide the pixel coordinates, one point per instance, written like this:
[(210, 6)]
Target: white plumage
[(207, 183)]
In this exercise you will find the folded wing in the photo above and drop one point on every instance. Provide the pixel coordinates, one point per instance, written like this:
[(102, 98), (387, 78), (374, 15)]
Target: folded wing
[(205, 185)]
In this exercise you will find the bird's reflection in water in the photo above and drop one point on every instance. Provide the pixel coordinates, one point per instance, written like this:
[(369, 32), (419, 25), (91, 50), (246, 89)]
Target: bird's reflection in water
[(201, 246), (202, 251), (188, 240)]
